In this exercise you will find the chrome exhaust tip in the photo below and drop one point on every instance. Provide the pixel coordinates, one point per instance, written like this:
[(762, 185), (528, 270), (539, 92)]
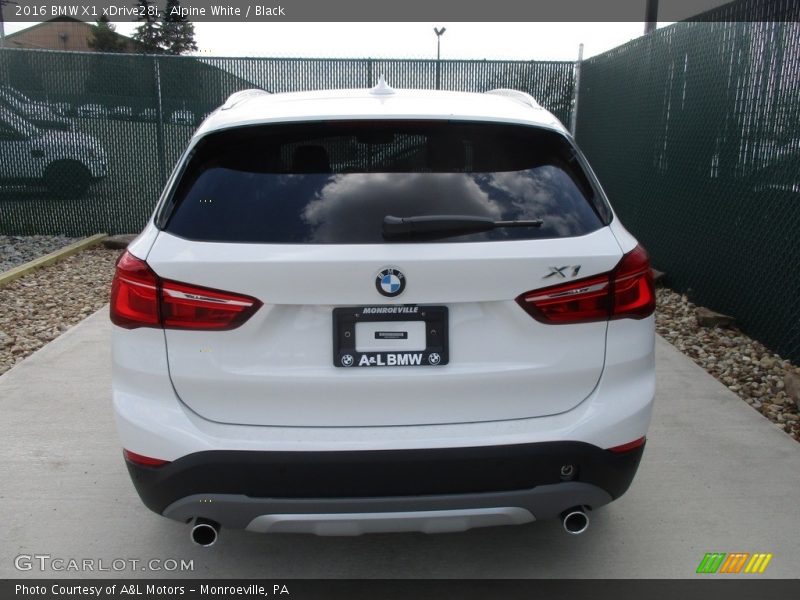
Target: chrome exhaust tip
[(575, 520), (204, 532)]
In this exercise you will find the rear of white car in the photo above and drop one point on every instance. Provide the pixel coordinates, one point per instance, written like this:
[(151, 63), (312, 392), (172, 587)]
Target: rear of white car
[(364, 311)]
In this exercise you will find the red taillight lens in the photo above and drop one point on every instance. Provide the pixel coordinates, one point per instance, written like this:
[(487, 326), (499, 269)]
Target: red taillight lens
[(190, 307), (634, 290), (625, 292), (139, 298), (144, 461), (134, 294), (629, 446), (577, 302)]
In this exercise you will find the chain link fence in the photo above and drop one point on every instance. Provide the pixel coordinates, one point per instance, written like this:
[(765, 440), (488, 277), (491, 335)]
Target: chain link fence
[(87, 140), (694, 132)]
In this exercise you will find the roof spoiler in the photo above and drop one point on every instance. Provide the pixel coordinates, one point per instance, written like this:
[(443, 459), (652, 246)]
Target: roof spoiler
[(237, 97), (520, 97)]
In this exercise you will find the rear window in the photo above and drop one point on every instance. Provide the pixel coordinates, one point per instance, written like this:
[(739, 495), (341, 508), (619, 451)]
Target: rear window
[(334, 182)]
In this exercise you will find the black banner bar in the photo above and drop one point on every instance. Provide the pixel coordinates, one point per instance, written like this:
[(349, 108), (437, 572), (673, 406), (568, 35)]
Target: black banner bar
[(738, 588), (407, 11)]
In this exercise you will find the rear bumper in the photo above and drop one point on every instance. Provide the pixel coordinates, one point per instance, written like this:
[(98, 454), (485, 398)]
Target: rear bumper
[(385, 490), (354, 516)]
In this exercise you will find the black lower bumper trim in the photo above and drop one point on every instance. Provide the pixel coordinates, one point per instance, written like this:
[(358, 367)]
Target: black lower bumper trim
[(380, 473)]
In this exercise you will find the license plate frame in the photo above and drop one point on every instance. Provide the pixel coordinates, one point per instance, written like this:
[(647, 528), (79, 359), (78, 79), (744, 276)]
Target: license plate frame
[(435, 353)]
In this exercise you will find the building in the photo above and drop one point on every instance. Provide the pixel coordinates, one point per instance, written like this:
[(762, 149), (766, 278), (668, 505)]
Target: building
[(61, 33)]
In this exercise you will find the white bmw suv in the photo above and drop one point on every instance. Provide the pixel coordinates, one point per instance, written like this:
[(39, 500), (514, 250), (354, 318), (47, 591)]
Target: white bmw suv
[(380, 310)]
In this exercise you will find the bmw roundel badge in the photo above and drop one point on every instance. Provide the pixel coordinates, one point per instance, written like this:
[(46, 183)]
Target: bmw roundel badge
[(390, 282)]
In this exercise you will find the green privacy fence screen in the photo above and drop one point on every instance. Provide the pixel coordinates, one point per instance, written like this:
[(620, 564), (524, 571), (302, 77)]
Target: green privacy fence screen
[(694, 132), (140, 111)]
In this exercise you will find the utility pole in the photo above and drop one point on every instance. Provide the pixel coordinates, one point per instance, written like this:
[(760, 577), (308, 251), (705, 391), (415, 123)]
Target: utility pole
[(573, 122), (439, 33), (160, 141), (650, 16)]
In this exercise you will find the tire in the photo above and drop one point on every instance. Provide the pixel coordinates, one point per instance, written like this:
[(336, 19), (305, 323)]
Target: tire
[(67, 179)]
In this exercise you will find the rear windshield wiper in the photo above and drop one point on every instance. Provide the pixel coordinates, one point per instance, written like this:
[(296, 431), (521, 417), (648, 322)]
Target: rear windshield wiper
[(432, 226)]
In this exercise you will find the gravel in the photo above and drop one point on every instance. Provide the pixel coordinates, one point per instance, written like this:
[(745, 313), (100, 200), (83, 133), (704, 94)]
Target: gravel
[(17, 249), (744, 365), (39, 307)]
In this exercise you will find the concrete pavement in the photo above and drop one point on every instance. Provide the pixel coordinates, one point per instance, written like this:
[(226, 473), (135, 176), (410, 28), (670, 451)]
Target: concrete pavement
[(716, 476)]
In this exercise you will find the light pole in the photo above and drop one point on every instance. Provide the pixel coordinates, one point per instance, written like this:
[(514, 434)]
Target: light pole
[(439, 33), (650, 16)]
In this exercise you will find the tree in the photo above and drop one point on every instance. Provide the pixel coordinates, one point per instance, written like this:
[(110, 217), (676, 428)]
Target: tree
[(148, 34), (104, 38), (177, 32)]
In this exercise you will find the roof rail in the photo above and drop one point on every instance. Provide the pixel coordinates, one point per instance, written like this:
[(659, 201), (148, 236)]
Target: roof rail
[(521, 97), (237, 97)]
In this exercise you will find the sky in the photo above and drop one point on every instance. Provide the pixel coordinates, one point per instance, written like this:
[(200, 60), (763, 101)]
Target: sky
[(513, 41)]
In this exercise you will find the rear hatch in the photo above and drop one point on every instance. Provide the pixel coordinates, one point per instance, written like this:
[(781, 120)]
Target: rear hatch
[(357, 329)]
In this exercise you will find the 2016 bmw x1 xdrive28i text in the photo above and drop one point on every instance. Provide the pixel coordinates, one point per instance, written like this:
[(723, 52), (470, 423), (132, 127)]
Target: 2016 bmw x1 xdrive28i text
[(379, 310)]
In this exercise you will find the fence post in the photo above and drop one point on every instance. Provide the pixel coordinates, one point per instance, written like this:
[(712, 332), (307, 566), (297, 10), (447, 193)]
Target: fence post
[(573, 121), (160, 123)]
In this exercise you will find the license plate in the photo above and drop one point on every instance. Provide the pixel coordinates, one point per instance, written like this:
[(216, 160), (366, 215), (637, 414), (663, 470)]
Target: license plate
[(390, 336)]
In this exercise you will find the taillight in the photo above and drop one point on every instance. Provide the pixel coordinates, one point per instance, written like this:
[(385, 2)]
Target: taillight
[(634, 290), (134, 294), (139, 298), (190, 307), (577, 302), (627, 292), (144, 461)]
